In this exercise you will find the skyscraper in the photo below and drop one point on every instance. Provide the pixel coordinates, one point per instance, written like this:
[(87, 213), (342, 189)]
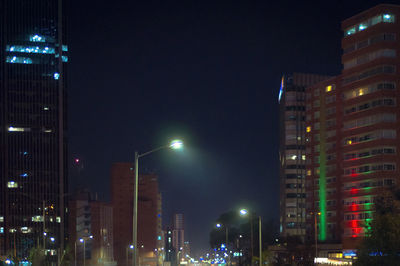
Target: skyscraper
[(33, 175), (292, 152), (353, 130)]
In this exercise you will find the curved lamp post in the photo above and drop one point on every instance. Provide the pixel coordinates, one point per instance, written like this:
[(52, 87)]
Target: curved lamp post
[(175, 145), (244, 212)]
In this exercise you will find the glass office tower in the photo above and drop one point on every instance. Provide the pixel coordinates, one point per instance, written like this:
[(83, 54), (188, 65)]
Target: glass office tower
[(33, 57)]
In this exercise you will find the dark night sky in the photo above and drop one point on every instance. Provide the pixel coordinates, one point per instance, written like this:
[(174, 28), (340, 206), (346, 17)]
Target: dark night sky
[(142, 72)]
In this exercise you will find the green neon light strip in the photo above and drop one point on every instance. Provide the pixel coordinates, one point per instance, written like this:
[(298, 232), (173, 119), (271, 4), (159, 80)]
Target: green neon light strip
[(322, 172)]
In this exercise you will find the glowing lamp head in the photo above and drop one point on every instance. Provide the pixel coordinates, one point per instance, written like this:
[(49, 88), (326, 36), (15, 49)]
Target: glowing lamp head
[(77, 160), (91, 237), (81, 240), (176, 144), (52, 239), (218, 225), (243, 212), (131, 246)]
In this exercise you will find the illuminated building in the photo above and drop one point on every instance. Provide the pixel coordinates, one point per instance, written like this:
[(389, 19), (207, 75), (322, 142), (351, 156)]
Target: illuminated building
[(33, 172), (149, 216), (352, 129), (292, 152)]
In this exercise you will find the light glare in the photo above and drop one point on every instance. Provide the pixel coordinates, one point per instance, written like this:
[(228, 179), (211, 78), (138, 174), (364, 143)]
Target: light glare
[(176, 144)]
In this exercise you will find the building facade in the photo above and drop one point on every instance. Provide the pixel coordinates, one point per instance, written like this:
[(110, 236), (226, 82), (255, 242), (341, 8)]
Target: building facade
[(149, 237), (178, 235), (90, 221), (352, 129), (292, 154), (33, 172)]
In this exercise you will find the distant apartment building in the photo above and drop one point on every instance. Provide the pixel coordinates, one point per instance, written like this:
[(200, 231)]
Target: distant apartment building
[(149, 215), (91, 229), (178, 234), (292, 154), (352, 129)]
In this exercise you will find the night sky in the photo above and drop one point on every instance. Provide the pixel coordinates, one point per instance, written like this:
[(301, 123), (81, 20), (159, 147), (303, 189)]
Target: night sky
[(144, 72)]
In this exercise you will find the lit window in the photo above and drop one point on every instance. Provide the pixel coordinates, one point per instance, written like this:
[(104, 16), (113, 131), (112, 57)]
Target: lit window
[(362, 26), (65, 48), (37, 38), (12, 184), (24, 175), (56, 76), (303, 157), (308, 129), (58, 219), (351, 31), (1, 219), (329, 88), (30, 49), (360, 92), (308, 172), (388, 18), (64, 58), (45, 108), (19, 129), (1, 230), (37, 218), (18, 60)]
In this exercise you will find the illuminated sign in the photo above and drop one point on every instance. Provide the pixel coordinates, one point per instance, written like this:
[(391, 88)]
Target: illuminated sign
[(281, 90)]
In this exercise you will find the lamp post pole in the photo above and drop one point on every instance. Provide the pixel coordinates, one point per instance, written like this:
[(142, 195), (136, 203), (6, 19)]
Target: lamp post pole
[(175, 144), (135, 208), (260, 238)]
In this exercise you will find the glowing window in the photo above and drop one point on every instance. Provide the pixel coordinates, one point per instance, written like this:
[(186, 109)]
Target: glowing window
[(37, 218), (65, 48), (19, 129), (1, 230), (329, 88), (56, 76), (12, 184), (1, 219), (308, 172), (30, 49), (18, 60), (361, 92), (362, 26), (351, 31), (308, 129), (388, 18), (303, 157), (37, 38)]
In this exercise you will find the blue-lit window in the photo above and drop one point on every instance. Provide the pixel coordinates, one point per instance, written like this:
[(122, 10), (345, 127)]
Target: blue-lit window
[(362, 26), (37, 38), (64, 58), (30, 49), (388, 18), (24, 175), (1, 230), (351, 31), (18, 60), (65, 48), (56, 75)]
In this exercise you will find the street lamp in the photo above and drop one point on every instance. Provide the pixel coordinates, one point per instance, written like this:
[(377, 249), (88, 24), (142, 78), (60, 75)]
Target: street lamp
[(244, 212), (175, 145)]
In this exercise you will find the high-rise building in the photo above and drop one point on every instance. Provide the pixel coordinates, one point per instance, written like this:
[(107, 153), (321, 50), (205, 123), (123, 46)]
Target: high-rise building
[(178, 234), (149, 231), (353, 130), (292, 152), (33, 177)]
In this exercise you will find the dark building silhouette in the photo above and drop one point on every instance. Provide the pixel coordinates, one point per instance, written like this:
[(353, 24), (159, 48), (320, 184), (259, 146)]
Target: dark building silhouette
[(33, 177), (90, 220), (149, 216)]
